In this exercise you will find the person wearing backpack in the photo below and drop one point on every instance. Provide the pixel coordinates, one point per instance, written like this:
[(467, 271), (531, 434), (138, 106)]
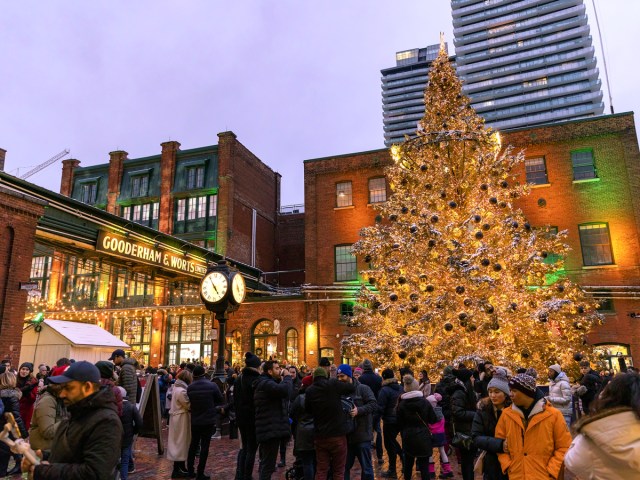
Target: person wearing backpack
[(331, 423), (359, 440)]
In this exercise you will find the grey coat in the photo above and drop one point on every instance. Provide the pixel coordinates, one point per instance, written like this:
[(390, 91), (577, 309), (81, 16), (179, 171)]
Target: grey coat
[(367, 405), (128, 378)]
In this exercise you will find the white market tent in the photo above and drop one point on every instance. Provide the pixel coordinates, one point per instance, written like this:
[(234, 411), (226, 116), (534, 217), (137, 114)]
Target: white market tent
[(58, 338)]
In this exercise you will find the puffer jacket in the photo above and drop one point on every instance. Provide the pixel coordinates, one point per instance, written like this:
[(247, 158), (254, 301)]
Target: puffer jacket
[(49, 411), (483, 432), (128, 378), (365, 400), (414, 414), (607, 446), (204, 397), (271, 400), (388, 400), (372, 380), (463, 406), (560, 394), (443, 387), (243, 398), (11, 399), (303, 421), (86, 445), (537, 445)]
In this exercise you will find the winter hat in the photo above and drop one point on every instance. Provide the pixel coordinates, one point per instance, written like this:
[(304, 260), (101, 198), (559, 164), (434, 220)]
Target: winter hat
[(55, 371), (251, 360), (367, 366), (410, 383), (448, 370), (434, 399), (500, 381), (319, 372), (532, 372), (556, 368), (387, 373), (358, 370), (198, 371), (106, 369), (324, 362), (345, 369), (306, 381), (524, 383), (27, 365), (463, 374), (123, 392)]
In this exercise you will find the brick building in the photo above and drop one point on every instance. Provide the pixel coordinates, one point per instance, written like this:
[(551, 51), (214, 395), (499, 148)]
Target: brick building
[(585, 176)]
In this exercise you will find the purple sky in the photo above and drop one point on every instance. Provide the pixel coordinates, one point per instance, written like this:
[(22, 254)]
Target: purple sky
[(293, 79)]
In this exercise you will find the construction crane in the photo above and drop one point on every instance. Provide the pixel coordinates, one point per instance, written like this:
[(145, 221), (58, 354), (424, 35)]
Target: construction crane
[(44, 165)]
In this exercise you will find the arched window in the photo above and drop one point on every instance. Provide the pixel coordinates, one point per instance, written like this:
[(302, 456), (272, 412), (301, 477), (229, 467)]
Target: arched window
[(265, 341), (292, 346), (327, 352)]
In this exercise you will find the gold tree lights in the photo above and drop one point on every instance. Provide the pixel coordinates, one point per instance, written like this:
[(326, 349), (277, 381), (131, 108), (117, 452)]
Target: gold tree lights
[(455, 270)]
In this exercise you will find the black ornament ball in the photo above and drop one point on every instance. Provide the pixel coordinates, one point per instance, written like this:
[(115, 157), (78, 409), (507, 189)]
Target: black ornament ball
[(462, 316), (560, 288), (414, 297), (414, 309), (431, 243), (463, 323), (484, 187), (493, 200), (428, 186), (443, 194), (543, 317), (503, 205), (423, 168), (479, 235), (372, 281), (423, 278), (477, 218), (504, 184), (393, 297), (420, 354), (513, 306), (402, 280), (367, 258), (578, 357), (485, 262), (580, 309), (489, 309), (494, 326), (413, 228), (544, 254), (453, 204), (448, 327), (402, 355), (395, 246), (527, 227), (412, 360), (403, 181), (393, 217), (414, 211), (378, 218), (404, 210), (467, 302), (436, 156), (486, 227), (497, 267), (459, 289), (430, 288), (376, 305), (525, 354), (515, 224), (434, 219), (472, 327)]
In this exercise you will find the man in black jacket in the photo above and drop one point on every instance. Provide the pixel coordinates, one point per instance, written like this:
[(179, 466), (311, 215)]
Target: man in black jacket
[(592, 382), (204, 396), (86, 446), (271, 395), (374, 382), (387, 403), (246, 416), (330, 422), (359, 441)]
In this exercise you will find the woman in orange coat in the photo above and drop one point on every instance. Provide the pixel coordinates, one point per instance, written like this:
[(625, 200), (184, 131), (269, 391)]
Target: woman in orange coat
[(535, 434)]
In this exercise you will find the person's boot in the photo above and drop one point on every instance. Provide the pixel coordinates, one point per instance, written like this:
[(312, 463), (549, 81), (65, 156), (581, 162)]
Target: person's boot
[(389, 474), (432, 469), (446, 471)]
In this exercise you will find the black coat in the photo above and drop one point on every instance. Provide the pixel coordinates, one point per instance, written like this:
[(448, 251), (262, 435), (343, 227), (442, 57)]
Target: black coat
[(271, 400), (372, 380), (204, 396), (388, 400), (323, 402), (414, 414), (86, 446), (483, 431), (131, 422), (303, 421), (243, 398), (463, 407), (443, 387), (11, 401), (366, 402)]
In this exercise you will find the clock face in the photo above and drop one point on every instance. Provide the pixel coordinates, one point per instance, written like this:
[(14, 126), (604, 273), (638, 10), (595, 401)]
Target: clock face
[(238, 288), (214, 287)]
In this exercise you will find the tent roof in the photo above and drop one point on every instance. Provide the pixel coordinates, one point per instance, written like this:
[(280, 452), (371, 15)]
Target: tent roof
[(85, 334)]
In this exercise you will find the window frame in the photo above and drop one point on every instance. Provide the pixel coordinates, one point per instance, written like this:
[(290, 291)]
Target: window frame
[(582, 243), (344, 196), (195, 177), (372, 193), (89, 192), (537, 173), (139, 185), (594, 170), (337, 263)]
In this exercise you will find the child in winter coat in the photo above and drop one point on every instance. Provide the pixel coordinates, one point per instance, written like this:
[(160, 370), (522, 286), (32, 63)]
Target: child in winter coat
[(438, 439)]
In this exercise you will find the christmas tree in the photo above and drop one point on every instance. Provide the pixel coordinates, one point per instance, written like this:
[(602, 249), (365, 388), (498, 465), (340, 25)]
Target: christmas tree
[(456, 271)]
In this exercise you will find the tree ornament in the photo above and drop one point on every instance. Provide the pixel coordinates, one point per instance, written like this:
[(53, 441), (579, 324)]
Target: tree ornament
[(503, 204), (393, 297), (484, 187), (504, 184), (493, 200), (414, 309), (367, 258), (412, 360), (404, 210), (463, 316), (463, 323), (497, 267), (422, 278), (472, 327), (402, 355), (434, 219), (395, 246), (560, 287), (423, 167), (513, 306), (393, 217), (488, 308), (428, 186), (467, 302), (486, 227), (544, 254), (525, 354), (402, 280), (527, 227), (420, 354), (477, 218), (580, 309), (453, 204), (479, 235), (413, 228), (485, 262), (431, 243), (414, 297), (543, 317), (403, 182), (515, 224), (494, 326), (578, 357), (459, 289), (448, 327), (430, 288), (443, 194)]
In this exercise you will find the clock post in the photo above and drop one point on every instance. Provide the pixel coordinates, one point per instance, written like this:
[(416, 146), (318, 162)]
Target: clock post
[(222, 291)]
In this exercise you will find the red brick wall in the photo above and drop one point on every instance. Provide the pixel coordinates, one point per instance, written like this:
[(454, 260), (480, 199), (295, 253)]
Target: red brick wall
[(18, 216), (167, 176), (66, 181), (116, 166), (290, 260)]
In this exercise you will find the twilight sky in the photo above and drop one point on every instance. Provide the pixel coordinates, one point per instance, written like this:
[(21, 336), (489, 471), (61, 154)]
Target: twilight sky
[(293, 79)]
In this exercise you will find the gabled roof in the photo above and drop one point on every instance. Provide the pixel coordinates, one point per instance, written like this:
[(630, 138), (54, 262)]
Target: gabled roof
[(85, 334)]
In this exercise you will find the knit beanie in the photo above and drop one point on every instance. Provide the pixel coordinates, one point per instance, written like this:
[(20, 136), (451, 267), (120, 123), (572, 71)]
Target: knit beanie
[(324, 362), (500, 381), (27, 365), (387, 373), (306, 381), (319, 372), (367, 366), (199, 371), (532, 372), (434, 399), (463, 374), (345, 369), (448, 370), (556, 368), (523, 383), (106, 369), (358, 370), (410, 383), (251, 360)]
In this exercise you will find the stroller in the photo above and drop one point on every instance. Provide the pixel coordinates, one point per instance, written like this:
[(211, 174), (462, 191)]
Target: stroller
[(296, 472)]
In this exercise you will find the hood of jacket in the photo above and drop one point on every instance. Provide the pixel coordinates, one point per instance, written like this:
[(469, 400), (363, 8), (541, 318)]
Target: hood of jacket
[(129, 361), (250, 372), (103, 398), (10, 392), (409, 395), (180, 384), (391, 382), (560, 377)]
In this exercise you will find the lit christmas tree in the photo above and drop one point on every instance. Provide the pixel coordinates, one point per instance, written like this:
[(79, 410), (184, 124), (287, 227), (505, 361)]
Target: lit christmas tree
[(456, 272)]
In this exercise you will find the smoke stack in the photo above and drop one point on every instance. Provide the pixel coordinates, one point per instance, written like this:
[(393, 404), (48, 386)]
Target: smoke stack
[(3, 153)]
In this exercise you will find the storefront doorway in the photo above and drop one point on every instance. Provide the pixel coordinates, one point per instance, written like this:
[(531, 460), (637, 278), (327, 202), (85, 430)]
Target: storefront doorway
[(265, 341)]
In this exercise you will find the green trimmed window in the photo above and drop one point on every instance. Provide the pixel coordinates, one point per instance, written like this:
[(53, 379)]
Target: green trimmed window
[(596, 244), (195, 177), (346, 265), (536, 170), (583, 163), (89, 192), (140, 186)]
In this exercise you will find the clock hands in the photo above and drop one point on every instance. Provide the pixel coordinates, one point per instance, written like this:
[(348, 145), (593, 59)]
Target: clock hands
[(214, 285)]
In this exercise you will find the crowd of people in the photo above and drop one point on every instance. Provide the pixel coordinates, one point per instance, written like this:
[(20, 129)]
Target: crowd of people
[(498, 423)]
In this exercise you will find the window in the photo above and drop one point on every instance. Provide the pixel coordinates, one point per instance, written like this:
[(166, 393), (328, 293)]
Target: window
[(536, 170), (346, 312), (126, 213), (195, 177), (596, 244), (292, 346), (327, 352), (617, 356), (37, 267), (605, 302), (213, 206), (202, 207), (156, 210), (140, 186), (377, 190), (145, 212), (583, 165), (89, 192), (343, 194), (346, 268), (191, 208), (121, 283), (180, 210), (137, 210)]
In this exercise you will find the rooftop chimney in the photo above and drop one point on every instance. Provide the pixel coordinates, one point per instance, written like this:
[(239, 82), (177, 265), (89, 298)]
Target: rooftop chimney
[(3, 152), (66, 183)]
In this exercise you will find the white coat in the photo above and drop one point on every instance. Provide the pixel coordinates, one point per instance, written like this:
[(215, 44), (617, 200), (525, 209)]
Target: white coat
[(179, 424), (560, 394), (607, 446)]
